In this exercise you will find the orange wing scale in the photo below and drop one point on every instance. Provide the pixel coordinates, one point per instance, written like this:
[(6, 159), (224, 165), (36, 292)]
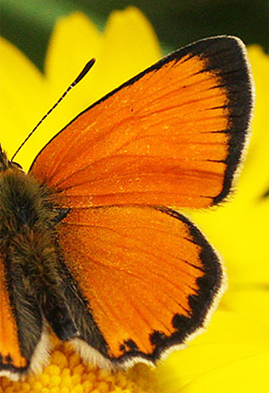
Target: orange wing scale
[(10, 350), (160, 141), (137, 266)]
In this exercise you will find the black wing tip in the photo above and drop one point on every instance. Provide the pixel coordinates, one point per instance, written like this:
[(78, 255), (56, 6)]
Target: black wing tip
[(241, 111), (227, 57)]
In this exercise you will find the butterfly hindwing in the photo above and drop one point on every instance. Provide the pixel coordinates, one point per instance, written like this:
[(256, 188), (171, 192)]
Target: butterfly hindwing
[(20, 322), (148, 274)]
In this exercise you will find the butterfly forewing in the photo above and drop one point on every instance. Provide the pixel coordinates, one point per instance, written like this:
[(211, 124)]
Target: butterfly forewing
[(171, 136)]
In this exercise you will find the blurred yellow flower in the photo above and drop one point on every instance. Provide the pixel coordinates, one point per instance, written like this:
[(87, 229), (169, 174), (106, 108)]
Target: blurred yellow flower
[(231, 356)]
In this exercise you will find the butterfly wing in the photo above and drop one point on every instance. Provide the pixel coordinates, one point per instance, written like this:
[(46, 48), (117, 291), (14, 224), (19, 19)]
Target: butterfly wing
[(171, 136), (20, 324), (148, 275)]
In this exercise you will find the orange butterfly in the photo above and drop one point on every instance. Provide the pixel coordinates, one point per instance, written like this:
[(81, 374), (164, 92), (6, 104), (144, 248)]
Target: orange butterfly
[(91, 246)]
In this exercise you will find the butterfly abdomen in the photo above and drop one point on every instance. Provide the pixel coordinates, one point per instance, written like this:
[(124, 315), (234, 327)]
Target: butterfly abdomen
[(29, 250)]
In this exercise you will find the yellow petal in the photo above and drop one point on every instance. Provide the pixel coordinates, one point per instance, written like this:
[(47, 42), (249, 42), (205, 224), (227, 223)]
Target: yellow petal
[(254, 179), (23, 96), (119, 56), (220, 358), (251, 300), (126, 54), (246, 375), (240, 233), (74, 41)]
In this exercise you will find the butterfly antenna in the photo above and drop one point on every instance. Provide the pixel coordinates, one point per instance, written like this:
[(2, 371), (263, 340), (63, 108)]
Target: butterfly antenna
[(85, 70)]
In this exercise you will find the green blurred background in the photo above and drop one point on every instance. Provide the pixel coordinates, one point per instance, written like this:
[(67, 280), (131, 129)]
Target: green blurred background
[(28, 24)]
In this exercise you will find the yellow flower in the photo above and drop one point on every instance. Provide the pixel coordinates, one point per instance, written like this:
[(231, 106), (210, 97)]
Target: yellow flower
[(67, 374), (231, 355)]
